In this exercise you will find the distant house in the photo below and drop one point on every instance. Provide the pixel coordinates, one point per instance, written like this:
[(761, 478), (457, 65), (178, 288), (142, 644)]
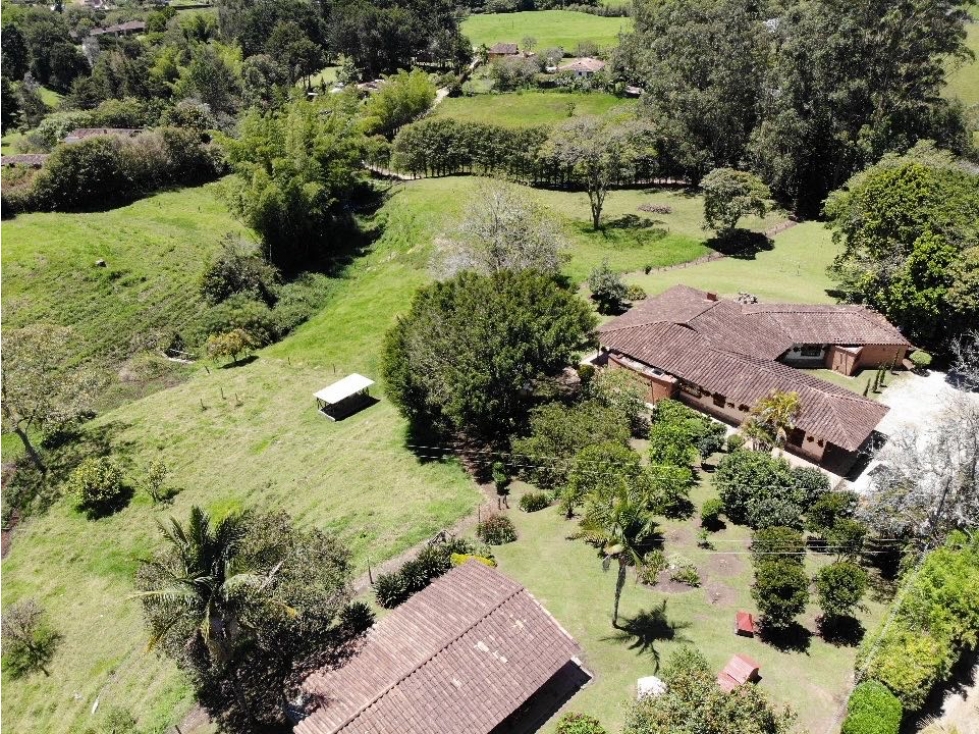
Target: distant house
[(121, 29), (583, 68), (503, 50), (84, 133), (722, 357), (30, 160), (633, 91), (473, 652)]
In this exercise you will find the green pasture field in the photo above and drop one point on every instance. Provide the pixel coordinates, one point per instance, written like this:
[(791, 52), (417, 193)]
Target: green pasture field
[(550, 28), (528, 109), (963, 80)]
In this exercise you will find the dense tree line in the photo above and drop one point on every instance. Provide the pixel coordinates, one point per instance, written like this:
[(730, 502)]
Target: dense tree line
[(442, 146), (804, 93)]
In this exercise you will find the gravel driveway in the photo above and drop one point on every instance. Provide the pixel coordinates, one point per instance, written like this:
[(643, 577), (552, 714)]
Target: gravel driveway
[(915, 401)]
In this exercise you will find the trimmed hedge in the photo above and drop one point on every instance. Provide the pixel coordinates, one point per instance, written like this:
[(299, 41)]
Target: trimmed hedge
[(872, 710)]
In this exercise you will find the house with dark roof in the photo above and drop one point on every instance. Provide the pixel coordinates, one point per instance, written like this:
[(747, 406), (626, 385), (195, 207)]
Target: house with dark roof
[(474, 652), (503, 50), (722, 357)]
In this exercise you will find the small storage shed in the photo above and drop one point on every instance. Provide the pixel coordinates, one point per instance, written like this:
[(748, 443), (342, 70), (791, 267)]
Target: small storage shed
[(344, 397), (744, 624), (740, 669)]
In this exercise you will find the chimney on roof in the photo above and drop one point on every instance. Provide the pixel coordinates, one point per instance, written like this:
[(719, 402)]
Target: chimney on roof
[(711, 296)]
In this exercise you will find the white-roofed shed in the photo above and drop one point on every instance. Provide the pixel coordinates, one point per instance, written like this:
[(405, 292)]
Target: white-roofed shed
[(344, 396)]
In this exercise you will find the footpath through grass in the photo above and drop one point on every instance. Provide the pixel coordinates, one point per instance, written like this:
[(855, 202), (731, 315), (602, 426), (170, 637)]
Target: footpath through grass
[(550, 28), (530, 108), (566, 577)]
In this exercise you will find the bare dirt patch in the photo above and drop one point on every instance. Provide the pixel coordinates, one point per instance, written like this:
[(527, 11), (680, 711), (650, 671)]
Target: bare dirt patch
[(724, 566), (668, 586), (719, 594)]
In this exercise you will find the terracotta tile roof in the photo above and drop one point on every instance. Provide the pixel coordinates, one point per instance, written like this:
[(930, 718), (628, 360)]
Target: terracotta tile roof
[(584, 64), (83, 133), (456, 658), (713, 345), (504, 48), (740, 669)]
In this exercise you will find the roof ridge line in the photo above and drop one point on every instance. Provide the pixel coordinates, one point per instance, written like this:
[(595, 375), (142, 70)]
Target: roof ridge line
[(428, 659)]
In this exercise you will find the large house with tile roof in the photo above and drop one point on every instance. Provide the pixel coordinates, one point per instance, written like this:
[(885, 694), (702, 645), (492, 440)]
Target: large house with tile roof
[(722, 357)]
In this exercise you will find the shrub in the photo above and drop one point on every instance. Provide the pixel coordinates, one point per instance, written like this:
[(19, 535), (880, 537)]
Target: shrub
[(710, 513), (390, 589), (745, 478), (534, 501), (97, 486), (781, 590), (653, 564), (824, 513), (872, 709), (579, 724), (774, 543), (735, 442), (585, 373), (686, 574), (607, 288), (230, 344), (236, 270), (356, 617), (774, 510), (496, 530), (812, 485), (155, 482), (839, 588), (29, 642), (920, 359), (635, 293), (459, 558)]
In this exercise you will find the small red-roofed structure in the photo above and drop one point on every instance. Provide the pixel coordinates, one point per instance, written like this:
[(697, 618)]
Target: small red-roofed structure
[(740, 669), (744, 624)]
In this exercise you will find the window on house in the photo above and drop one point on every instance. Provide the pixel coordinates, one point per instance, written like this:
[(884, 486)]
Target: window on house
[(812, 350)]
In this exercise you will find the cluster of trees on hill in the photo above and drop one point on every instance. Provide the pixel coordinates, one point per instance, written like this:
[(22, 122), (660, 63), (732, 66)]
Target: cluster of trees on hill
[(805, 93)]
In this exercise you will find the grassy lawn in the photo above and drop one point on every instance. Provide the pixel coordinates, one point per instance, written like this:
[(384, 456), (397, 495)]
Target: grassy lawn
[(258, 442), (250, 436), (327, 75), (567, 578), (963, 81), (155, 250), (8, 141), (551, 28), (793, 271), (526, 109)]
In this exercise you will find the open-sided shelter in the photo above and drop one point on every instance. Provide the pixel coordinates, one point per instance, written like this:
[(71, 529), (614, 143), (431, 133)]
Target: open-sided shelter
[(344, 396)]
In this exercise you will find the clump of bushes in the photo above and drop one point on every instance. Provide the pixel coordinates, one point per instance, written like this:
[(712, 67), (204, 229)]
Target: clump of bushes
[(686, 573), (392, 589), (635, 293), (872, 709), (607, 288), (356, 617), (534, 501), (459, 558), (710, 513), (653, 564), (97, 486), (579, 724), (735, 442), (29, 641), (496, 530), (103, 171), (921, 360)]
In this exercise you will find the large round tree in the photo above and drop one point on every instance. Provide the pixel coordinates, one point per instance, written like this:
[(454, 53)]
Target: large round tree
[(468, 353)]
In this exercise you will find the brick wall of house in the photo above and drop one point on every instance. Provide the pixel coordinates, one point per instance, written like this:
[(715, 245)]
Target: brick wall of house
[(879, 355)]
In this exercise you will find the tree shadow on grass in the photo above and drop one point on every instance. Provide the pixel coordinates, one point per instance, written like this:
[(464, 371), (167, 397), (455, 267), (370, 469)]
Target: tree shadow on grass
[(117, 504), (794, 638), (840, 631), (243, 362), (741, 244), (642, 631)]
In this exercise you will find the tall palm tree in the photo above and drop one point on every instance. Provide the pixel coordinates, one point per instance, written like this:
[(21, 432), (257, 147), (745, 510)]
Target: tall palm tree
[(771, 419), (202, 589), (621, 524)]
